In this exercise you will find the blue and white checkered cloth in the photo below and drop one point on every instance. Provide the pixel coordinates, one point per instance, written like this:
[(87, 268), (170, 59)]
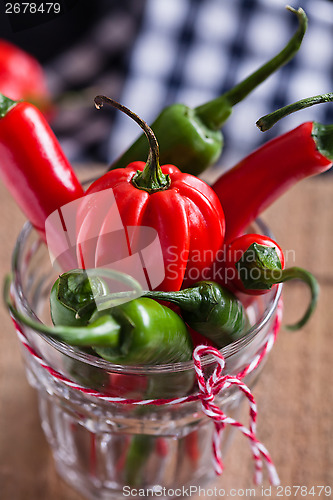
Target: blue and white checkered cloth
[(191, 51)]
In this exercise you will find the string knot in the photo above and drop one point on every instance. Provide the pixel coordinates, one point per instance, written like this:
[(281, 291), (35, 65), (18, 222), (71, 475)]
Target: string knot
[(214, 385)]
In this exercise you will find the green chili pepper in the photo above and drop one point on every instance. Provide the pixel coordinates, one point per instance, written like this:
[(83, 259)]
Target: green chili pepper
[(140, 331), (191, 138), (103, 331), (147, 333), (150, 334), (139, 450), (210, 310), (76, 294), (70, 293)]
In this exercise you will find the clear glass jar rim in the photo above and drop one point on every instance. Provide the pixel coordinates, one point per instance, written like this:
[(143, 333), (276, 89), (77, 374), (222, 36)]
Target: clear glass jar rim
[(79, 355)]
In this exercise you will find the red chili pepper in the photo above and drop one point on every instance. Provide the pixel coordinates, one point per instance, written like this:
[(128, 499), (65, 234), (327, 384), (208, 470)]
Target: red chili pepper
[(32, 164), (258, 180), (22, 77), (191, 442), (254, 263), (162, 446), (196, 337), (122, 454), (240, 259), (125, 385), (183, 210), (199, 339)]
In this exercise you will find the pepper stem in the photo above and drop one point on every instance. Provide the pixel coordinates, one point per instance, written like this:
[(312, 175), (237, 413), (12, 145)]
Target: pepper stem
[(103, 332), (188, 299), (6, 105), (259, 268), (323, 138), (151, 179), (106, 302), (275, 276), (216, 112), (308, 278), (266, 122)]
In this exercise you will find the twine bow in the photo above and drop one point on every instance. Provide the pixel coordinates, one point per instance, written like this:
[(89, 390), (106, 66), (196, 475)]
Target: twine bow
[(209, 389)]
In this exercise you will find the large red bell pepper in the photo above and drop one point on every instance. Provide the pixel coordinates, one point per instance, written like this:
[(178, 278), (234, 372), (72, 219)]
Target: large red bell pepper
[(32, 164), (183, 210)]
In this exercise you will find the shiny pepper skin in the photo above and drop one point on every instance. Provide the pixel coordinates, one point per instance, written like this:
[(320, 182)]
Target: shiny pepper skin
[(187, 216)]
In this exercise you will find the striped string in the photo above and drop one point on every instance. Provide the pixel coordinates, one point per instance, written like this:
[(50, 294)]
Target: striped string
[(209, 388)]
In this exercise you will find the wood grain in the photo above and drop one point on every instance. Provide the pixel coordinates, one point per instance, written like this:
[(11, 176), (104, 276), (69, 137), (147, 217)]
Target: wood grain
[(294, 393)]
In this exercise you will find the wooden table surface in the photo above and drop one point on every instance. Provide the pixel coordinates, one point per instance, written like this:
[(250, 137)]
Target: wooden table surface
[(294, 394)]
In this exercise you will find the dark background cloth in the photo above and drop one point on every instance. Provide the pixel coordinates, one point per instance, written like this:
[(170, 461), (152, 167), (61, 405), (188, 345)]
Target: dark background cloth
[(84, 50), (44, 39), (151, 53)]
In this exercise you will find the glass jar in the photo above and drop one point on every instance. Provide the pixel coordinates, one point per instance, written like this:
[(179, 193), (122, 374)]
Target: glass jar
[(105, 449)]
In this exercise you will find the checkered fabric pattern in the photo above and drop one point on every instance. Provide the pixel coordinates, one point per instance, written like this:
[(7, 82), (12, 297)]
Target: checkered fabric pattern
[(96, 64), (191, 51)]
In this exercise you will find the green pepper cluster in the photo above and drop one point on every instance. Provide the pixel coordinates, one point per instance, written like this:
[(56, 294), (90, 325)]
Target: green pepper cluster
[(142, 331)]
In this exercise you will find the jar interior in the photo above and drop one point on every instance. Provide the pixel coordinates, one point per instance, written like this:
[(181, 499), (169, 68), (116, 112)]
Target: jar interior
[(34, 276)]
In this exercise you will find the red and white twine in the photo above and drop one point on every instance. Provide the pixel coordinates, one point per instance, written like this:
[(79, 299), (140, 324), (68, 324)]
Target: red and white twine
[(209, 388)]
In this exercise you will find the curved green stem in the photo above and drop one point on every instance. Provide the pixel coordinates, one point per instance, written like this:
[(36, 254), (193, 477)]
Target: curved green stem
[(107, 301), (151, 179), (188, 299), (308, 278), (216, 112), (266, 122), (274, 276), (110, 300), (117, 298), (103, 332)]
